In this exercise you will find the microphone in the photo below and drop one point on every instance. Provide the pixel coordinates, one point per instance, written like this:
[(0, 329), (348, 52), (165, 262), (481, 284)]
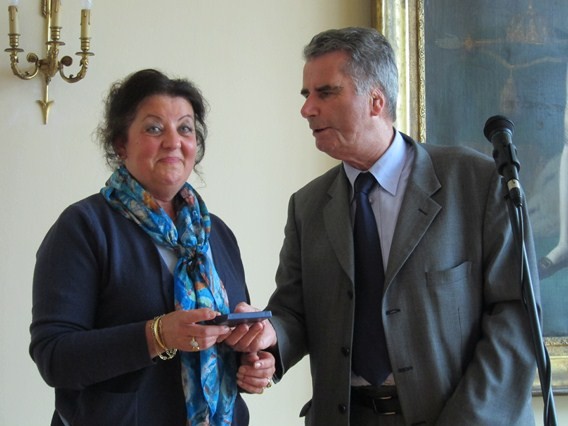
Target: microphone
[(499, 131)]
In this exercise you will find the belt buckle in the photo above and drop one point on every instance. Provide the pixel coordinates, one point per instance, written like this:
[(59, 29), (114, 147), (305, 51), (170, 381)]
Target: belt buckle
[(381, 413)]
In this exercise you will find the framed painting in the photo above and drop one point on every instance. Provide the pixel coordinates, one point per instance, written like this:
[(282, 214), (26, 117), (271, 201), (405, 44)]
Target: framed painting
[(463, 62)]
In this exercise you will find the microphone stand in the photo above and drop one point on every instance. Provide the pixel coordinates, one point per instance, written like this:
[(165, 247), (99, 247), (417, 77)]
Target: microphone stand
[(542, 359)]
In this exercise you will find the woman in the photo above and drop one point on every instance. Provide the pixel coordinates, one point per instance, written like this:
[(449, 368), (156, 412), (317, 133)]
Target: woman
[(124, 278)]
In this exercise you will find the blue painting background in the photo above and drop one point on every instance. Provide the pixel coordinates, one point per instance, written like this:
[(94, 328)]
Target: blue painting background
[(484, 58)]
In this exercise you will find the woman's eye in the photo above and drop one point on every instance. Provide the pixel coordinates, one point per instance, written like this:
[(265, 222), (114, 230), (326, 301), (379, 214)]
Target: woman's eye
[(153, 130), (185, 129)]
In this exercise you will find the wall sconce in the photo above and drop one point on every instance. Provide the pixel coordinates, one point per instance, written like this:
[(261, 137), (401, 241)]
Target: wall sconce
[(51, 64)]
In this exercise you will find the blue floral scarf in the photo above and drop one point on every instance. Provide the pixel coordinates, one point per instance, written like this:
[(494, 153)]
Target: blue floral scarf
[(208, 376)]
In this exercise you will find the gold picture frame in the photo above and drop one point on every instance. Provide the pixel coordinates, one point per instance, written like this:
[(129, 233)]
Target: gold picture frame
[(403, 23)]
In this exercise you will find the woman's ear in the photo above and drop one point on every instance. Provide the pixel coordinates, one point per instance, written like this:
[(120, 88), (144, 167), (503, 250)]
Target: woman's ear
[(120, 149)]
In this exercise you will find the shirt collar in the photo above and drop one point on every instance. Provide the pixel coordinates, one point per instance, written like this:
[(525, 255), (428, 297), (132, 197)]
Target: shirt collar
[(387, 169)]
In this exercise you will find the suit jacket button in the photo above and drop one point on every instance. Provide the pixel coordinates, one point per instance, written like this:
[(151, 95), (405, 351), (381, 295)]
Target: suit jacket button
[(342, 408), (345, 350), (350, 294)]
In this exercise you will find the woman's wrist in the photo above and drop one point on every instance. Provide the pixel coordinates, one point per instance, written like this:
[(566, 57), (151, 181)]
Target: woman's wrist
[(153, 348), (156, 342)]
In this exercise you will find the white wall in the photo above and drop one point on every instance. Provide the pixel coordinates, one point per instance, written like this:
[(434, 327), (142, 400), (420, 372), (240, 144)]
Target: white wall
[(246, 57)]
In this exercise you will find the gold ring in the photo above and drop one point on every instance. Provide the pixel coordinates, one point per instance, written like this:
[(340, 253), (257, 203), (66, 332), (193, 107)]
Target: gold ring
[(269, 384), (194, 344)]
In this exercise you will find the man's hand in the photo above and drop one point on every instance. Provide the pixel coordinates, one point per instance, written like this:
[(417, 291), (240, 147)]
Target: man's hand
[(251, 337), (256, 371)]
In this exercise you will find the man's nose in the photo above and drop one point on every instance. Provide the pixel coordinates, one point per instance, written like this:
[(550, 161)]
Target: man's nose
[(309, 109)]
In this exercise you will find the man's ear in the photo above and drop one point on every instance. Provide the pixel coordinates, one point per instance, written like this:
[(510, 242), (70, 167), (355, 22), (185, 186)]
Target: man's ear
[(378, 102)]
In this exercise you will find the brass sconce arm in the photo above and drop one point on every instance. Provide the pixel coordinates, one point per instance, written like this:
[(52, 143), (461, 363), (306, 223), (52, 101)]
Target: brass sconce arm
[(67, 61), (14, 60)]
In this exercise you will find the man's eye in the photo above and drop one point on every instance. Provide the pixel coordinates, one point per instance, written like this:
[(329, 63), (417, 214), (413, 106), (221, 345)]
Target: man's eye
[(325, 94)]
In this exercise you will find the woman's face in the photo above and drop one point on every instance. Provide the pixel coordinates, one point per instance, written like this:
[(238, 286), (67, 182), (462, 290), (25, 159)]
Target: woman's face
[(161, 145)]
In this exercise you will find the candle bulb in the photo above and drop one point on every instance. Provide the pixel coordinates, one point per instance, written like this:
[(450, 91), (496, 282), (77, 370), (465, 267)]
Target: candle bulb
[(86, 18), (55, 10), (13, 17), (85, 22)]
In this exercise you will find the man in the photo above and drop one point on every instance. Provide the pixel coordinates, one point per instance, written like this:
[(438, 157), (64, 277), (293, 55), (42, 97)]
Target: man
[(456, 331)]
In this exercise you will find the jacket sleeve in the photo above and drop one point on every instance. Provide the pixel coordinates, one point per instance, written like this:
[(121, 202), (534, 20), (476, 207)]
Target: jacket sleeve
[(74, 341), (286, 303)]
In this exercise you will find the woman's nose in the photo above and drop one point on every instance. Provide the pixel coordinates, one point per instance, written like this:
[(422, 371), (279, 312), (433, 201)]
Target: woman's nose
[(171, 139)]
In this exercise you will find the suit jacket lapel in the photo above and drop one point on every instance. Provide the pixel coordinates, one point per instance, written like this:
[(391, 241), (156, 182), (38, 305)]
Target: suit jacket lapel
[(417, 212), (337, 221)]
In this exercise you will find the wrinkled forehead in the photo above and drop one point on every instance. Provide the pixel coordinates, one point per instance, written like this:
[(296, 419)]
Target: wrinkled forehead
[(327, 69)]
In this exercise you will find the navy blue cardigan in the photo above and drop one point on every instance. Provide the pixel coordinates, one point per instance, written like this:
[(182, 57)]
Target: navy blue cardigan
[(98, 278)]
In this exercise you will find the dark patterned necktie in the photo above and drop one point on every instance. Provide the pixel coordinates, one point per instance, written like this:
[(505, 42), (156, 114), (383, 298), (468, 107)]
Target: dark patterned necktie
[(370, 357)]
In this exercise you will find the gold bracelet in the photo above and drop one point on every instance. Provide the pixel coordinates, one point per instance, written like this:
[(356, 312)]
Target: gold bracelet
[(156, 332)]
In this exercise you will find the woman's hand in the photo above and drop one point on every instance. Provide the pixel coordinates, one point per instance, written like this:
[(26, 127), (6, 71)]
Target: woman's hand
[(181, 330), (256, 371)]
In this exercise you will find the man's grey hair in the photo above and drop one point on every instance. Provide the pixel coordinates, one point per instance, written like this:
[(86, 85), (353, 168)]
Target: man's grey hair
[(372, 62)]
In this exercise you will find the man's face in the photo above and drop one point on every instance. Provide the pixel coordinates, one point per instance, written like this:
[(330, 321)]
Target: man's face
[(340, 118)]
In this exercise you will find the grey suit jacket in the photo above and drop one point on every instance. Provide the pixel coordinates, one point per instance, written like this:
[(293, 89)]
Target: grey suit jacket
[(457, 332)]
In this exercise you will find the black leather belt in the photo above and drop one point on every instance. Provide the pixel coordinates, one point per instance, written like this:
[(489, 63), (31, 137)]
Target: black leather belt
[(382, 400)]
